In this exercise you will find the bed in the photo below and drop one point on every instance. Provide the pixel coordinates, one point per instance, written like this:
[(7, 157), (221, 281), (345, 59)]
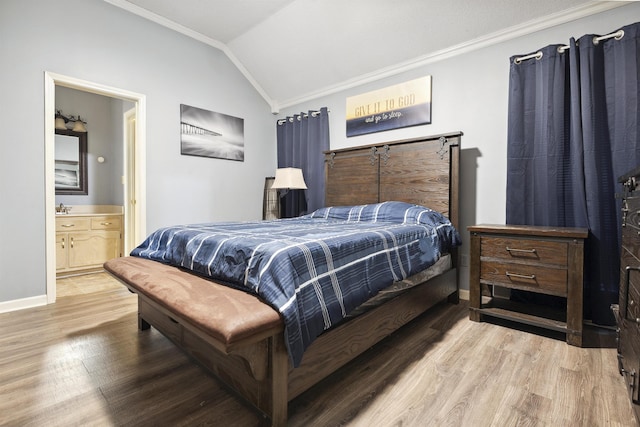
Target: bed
[(246, 342)]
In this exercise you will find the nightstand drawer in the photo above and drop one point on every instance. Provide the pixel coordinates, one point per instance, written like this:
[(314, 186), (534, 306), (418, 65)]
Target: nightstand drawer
[(522, 249), (552, 281)]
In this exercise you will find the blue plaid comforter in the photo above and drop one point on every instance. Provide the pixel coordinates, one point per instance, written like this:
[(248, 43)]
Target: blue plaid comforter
[(313, 269)]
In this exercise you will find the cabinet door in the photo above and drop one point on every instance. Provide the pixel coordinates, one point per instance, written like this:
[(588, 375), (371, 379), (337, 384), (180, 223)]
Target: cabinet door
[(358, 168), (92, 249), (62, 240)]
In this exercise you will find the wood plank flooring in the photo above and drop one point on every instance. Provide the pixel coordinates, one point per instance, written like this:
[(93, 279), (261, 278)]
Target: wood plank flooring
[(82, 362)]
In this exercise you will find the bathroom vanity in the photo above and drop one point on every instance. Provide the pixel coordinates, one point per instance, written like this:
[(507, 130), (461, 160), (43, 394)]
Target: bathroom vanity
[(86, 237)]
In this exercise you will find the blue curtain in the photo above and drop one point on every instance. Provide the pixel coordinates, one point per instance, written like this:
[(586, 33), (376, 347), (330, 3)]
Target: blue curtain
[(573, 130), (302, 139)]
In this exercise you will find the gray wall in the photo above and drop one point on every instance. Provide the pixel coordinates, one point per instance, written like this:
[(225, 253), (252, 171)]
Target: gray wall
[(469, 94), (95, 41)]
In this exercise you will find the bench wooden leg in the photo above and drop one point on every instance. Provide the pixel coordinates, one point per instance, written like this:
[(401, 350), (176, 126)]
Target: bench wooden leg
[(143, 325)]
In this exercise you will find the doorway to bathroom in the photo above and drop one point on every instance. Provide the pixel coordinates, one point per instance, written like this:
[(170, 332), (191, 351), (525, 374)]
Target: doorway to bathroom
[(127, 155)]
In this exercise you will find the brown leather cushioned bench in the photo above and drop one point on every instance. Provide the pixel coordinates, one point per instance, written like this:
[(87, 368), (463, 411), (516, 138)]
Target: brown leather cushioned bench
[(231, 317)]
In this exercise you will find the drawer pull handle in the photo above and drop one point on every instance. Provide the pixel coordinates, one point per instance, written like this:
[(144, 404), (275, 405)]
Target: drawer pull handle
[(520, 276), (67, 225), (106, 223), (528, 251)]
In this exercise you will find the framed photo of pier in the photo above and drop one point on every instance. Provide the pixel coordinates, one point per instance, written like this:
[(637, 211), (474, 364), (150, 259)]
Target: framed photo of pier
[(206, 133), (398, 106)]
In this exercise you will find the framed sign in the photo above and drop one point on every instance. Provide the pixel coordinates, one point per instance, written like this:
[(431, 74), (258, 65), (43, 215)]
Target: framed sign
[(398, 106)]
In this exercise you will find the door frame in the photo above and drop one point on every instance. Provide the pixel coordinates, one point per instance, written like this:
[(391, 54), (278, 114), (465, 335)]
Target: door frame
[(130, 181), (135, 215)]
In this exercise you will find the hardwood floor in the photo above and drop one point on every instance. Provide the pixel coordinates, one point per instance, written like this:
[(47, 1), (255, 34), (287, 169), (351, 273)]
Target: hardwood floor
[(82, 362)]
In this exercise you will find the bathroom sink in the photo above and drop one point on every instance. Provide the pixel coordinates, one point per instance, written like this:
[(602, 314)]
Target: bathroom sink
[(89, 210)]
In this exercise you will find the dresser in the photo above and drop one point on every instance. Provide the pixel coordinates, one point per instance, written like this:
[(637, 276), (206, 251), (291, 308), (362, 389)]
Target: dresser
[(627, 311), (544, 260)]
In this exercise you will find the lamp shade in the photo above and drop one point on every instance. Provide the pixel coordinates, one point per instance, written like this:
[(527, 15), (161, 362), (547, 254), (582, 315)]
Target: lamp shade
[(60, 124), (289, 178), (79, 126)]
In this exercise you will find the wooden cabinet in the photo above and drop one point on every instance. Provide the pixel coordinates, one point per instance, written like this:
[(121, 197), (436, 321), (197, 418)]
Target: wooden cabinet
[(546, 260), (84, 243), (627, 311)]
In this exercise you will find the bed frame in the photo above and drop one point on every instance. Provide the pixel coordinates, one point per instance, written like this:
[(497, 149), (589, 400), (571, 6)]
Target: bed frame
[(422, 171)]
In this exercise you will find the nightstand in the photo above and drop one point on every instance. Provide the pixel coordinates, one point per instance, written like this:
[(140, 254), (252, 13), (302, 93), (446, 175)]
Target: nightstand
[(546, 260)]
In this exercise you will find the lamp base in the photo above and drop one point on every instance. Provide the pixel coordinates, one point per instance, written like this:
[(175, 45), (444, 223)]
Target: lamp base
[(293, 204)]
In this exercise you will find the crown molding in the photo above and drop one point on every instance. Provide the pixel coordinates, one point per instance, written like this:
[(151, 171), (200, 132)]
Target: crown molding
[(147, 14), (478, 43), (161, 20), (510, 33)]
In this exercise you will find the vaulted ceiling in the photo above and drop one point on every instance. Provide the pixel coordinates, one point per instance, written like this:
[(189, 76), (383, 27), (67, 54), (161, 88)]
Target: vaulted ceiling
[(295, 50)]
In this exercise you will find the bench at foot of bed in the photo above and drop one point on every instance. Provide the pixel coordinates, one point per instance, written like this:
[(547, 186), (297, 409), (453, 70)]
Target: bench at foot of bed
[(240, 339)]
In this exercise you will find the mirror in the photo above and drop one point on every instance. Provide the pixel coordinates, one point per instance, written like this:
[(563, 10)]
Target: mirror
[(71, 162)]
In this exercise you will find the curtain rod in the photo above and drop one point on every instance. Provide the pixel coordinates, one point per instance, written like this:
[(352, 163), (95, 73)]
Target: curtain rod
[(617, 35), (314, 113)]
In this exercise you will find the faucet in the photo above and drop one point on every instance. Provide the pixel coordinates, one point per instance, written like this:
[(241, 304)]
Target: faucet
[(62, 208)]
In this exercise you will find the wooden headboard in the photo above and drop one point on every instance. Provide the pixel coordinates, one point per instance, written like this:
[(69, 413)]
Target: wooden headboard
[(423, 171)]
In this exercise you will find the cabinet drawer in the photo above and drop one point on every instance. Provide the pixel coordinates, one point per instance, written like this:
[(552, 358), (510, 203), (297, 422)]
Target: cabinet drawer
[(633, 303), (629, 345), (72, 224), (552, 281), (629, 361), (627, 257), (528, 250), (106, 223), (629, 299), (633, 214), (631, 241), (163, 323)]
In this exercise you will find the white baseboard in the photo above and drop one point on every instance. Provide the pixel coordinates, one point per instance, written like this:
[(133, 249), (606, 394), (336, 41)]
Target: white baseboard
[(20, 304), (463, 294)]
